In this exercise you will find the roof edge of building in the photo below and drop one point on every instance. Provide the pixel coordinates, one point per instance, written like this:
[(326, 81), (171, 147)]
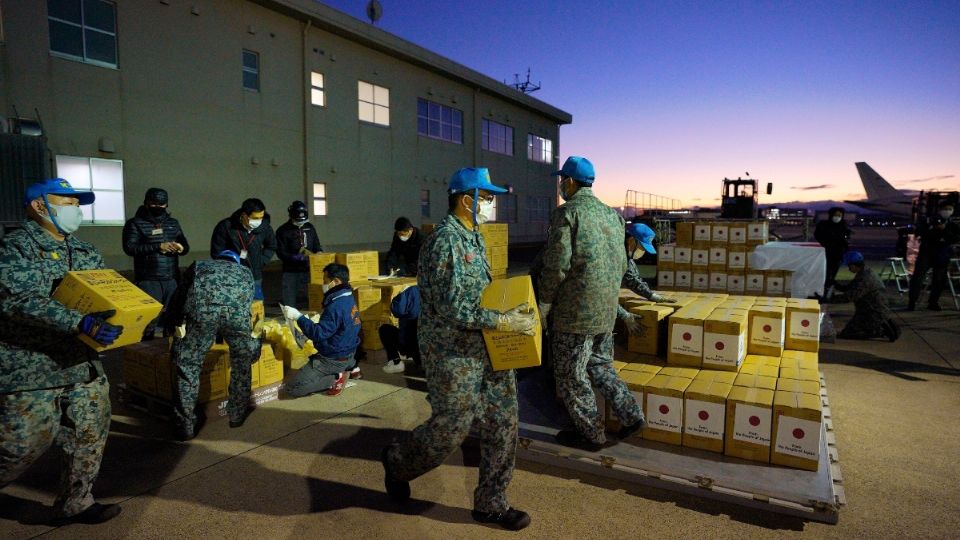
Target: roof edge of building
[(337, 22)]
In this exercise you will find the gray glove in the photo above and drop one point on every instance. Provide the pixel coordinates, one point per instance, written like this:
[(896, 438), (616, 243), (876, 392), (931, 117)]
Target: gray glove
[(544, 310), (634, 327), (520, 319), (660, 299)]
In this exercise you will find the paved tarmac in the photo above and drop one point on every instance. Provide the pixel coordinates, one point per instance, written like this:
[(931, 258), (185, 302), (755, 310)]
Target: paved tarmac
[(310, 467)]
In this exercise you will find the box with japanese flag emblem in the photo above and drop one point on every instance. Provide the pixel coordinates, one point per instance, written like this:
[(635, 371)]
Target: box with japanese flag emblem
[(737, 233), (758, 232), (700, 258), (636, 376), (803, 325), (719, 233), (766, 330), (718, 281), (753, 282), (704, 406), (682, 255), (774, 282), (682, 278), (725, 339), (663, 408), (748, 423), (718, 259), (737, 258), (701, 234), (665, 254), (699, 280), (736, 282), (685, 336), (797, 419)]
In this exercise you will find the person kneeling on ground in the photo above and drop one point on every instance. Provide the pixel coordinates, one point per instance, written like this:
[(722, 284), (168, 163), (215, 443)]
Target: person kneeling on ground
[(402, 339), (872, 317), (336, 337)]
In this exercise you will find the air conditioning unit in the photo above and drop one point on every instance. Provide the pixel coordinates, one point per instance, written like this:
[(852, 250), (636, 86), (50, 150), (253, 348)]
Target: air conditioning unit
[(25, 126)]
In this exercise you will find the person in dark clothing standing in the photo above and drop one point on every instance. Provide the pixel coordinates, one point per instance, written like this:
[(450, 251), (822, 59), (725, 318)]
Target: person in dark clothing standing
[(834, 235), (938, 239), (402, 339), (405, 248), (296, 240), (248, 233), (156, 241)]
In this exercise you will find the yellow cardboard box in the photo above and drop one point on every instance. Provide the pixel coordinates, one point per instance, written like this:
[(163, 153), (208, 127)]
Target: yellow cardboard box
[(725, 339), (678, 371), (774, 282), (495, 235), (361, 264), (270, 367), (803, 325), (685, 345), (664, 408), (758, 368), (758, 231), (800, 374), (736, 282), (682, 254), (700, 258), (315, 296), (370, 335), (726, 377), (665, 279), (704, 405), (257, 312), (684, 234), (720, 233), (139, 365), (756, 380), (766, 330), (509, 350), (635, 381), (737, 234), (497, 257), (718, 258), (701, 233), (91, 291), (749, 421), (797, 425), (752, 359), (736, 258), (682, 279), (805, 359), (700, 280), (665, 253), (754, 282), (794, 385), (319, 261), (718, 281), (653, 319)]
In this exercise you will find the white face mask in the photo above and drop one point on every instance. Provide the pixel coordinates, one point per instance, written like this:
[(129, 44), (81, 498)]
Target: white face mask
[(836, 219), (638, 254), (65, 218), (327, 286), (945, 214), (404, 237), (254, 223), (299, 223), (484, 211)]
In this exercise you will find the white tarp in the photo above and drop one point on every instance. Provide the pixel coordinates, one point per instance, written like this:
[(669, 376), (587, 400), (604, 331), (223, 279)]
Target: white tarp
[(807, 261)]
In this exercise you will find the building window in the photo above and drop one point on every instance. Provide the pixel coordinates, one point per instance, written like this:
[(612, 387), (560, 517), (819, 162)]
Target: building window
[(425, 203), (539, 208), (251, 70), (374, 103), (497, 137), (317, 97), (319, 199), (439, 121), (507, 208), (84, 30), (539, 149), (105, 178)]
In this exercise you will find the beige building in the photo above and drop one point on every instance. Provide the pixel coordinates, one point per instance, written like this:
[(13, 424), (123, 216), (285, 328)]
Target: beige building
[(220, 100)]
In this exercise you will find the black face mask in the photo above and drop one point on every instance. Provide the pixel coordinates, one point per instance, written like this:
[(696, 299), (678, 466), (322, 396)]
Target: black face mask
[(156, 211)]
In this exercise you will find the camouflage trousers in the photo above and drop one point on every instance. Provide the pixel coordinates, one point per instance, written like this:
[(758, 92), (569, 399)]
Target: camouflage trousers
[(188, 354), (461, 390), (76, 418), (579, 360)]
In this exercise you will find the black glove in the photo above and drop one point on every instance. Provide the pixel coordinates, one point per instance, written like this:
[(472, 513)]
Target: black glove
[(96, 327)]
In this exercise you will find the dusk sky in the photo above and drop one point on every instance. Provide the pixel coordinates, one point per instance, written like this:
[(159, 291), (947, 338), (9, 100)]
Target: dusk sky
[(670, 97)]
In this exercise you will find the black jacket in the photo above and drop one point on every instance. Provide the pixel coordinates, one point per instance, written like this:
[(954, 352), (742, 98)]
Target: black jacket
[(936, 245), (405, 255), (140, 242), (260, 243), (834, 237), (290, 240)]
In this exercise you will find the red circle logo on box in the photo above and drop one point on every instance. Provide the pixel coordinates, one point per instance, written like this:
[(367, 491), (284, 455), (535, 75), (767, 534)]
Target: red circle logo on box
[(719, 345), (754, 421), (805, 323), (798, 433), (664, 409), (767, 328), (687, 336), (703, 415)]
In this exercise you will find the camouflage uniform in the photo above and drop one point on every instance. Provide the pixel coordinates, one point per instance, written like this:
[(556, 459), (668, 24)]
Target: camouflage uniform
[(865, 290), (461, 385), (53, 389), (214, 298), (632, 280), (583, 265)]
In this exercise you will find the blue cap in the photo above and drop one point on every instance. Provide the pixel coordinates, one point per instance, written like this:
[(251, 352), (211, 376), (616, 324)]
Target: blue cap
[(471, 178), (578, 168), (852, 257), (231, 255), (643, 235), (56, 186)]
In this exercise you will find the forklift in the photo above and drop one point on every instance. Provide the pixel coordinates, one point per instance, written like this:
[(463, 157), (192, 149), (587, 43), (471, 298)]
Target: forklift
[(739, 198)]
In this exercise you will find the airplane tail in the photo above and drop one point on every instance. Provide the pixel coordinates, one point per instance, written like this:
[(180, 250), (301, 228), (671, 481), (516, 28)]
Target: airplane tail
[(874, 184)]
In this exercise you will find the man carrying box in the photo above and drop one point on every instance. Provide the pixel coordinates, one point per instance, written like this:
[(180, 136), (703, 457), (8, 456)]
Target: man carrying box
[(214, 298), (583, 265), (53, 389), (336, 337), (461, 384)]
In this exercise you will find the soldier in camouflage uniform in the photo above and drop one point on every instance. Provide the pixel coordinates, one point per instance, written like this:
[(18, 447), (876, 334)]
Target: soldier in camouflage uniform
[(53, 390), (213, 298), (461, 385), (639, 240), (583, 265), (871, 318)]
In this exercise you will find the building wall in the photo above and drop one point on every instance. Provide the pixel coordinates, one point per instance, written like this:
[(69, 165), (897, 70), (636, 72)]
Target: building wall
[(179, 118)]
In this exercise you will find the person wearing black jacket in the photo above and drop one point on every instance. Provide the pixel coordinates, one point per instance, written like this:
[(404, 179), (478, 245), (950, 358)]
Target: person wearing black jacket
[(405, 249), (155, 240), (296, 240), (247, 232), (938, 241), (834, 235)]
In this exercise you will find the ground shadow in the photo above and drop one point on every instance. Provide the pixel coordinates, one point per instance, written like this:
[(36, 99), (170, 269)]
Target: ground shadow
[(898, 368)]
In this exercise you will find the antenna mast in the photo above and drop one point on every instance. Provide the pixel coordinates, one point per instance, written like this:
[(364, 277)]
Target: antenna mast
[(525, 86)]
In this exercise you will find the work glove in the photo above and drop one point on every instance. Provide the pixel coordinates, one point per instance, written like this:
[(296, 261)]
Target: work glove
[(544, 310), (290, 313), (180, 332), (520, 319), (394, 272), (96, 327), (634, 327), (299, 257), (660, 299)]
